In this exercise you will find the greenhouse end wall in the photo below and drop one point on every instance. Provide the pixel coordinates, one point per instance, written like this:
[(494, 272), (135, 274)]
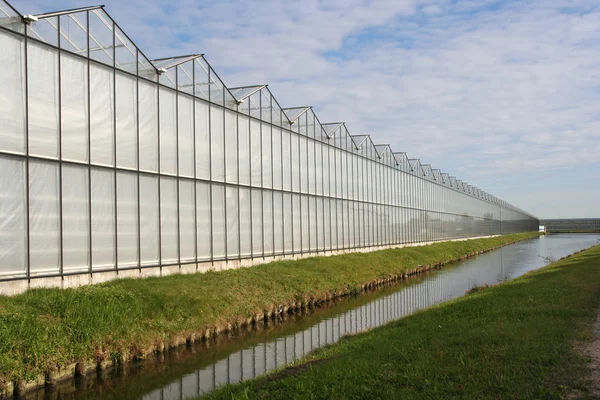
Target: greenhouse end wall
[(113, 164)]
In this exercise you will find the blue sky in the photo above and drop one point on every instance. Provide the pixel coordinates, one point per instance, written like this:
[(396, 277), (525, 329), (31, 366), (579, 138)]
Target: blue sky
[(502, 94)]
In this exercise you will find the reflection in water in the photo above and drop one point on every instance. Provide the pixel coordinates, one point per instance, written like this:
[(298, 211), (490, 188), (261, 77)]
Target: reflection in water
[(257, 353)]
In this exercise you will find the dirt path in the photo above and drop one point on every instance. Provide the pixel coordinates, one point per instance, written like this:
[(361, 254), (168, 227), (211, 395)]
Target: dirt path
[(591, 351)]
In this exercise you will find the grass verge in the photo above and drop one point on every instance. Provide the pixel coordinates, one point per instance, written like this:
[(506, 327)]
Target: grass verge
[(45, 329), (513, 340)]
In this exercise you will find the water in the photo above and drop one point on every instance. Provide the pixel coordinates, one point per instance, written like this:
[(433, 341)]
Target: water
[(203, 368)]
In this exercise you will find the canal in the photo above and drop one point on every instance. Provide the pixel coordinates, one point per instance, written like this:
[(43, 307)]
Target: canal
[(192, 371)]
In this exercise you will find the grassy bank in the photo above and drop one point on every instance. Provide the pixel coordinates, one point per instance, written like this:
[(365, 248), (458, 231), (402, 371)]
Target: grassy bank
[(43, 329), (514, 340)]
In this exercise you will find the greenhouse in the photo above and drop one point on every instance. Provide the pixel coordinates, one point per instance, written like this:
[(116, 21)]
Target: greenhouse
[(112, 162)]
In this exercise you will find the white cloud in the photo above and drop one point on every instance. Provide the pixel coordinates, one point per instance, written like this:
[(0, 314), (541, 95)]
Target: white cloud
[(490, 89)]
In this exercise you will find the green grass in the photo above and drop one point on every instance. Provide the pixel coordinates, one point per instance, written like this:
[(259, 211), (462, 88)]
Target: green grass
[(45, 328), (510, 341)]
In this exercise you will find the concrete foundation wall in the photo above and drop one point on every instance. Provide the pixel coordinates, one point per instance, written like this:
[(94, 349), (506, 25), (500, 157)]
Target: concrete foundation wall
[(15, 287)]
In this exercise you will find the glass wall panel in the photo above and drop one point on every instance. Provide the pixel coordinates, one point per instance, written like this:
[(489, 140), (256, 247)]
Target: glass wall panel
[(44, 217), (278, 228), (74, 108), (168, 220), (12, 96), (42, 94), (305, 222), (13, 217), (185, 129), (245, 223), (233, 228), (288, 223), (127, 146), (296, 223), (148, 107), (127, 219), (244, 148), (149, 220), (187, 221), (286, 156), (218, 221), (257, 223), (76, 218), (102, 115), (168, 131), (202, 140), (103, 219), (267, 208), (217, 143), (204, 227), (255, 153), (277, 157), (231, 146), (267, 157)]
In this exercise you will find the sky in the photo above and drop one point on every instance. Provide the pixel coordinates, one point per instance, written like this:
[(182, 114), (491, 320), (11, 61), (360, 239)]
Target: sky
[(502, 94)]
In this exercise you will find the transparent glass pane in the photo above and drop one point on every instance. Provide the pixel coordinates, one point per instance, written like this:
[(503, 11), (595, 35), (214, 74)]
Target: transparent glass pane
[(44, 217), (185, 75), (185, 131), (73, 33), (168, 131), (245, 222), (12, 97), (148, 104), (127, 219), (103, 219), (187, 220), (204, 227), (102, 115), (9, 18), (169, 225), (218, 221), (43, 100), (202, 140), (13, 217), (74, 108), (101, 37), (125, 53), (127, 141), (232, 221), (231, 146), (217, 143), (149, 221), (76, 218), (45, 29)]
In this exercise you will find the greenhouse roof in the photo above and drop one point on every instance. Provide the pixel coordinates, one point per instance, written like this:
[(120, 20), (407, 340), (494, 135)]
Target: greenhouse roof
[(92, 33)]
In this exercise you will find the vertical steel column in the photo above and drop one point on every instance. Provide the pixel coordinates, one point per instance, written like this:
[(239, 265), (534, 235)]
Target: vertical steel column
[(337, 218), (195, 162), (239, 218), (159, 177), (272, 177), (322, 146), (114, 86), (60, 164), (137, 124), (27, 200), (291, 187), (316, 221), (89, 121), (350, 157), (225, 183), (308, 183), (210, 190), (262, 175), (178, 165), (300, 189)]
